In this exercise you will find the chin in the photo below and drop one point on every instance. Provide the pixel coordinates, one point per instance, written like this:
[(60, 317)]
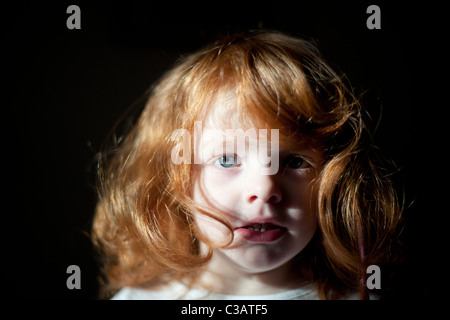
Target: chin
[(256, 262)]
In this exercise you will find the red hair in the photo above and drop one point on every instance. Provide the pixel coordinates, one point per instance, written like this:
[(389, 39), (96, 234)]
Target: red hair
[(143, 225)]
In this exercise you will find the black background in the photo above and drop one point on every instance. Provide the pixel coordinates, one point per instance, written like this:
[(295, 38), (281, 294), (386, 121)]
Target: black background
[(63, 91)]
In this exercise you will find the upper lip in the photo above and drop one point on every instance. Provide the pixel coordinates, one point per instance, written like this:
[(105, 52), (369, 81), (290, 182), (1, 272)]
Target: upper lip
[(261, 221)]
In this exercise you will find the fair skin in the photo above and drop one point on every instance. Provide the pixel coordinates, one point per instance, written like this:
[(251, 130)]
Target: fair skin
[(271, 215)]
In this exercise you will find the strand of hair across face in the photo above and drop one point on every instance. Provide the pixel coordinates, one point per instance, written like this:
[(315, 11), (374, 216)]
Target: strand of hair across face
[(363, 290)]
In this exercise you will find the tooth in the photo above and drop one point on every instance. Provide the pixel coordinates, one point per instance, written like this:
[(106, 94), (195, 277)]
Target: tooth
[(262, 229)]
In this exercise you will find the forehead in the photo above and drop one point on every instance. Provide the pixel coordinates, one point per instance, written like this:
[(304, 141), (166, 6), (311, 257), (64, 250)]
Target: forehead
[(227, 117), (226, 112)]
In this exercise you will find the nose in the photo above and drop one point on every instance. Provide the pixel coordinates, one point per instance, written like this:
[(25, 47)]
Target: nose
[(263, 188)]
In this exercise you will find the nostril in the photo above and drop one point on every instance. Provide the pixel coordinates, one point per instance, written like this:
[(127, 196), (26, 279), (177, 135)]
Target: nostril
[(275, 199), (265, 190)]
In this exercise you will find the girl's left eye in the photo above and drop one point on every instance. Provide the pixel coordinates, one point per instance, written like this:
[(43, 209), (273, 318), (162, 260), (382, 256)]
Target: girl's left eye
[(227, 161), (295, 162)]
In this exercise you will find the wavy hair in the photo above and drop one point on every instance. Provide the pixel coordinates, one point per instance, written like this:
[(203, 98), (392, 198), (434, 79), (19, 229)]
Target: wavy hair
[(143, 225)]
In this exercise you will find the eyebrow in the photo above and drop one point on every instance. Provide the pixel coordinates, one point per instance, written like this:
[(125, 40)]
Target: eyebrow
[(216, 144), (214, 141)]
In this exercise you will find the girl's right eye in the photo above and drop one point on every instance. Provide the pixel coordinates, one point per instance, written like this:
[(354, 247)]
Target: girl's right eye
[(227, 162)]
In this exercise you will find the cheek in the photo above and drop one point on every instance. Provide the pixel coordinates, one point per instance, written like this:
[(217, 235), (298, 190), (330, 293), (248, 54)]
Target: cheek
[(217, 201), (218, 191), (212, 231), (301, 193), (301, 203), (303, 228)]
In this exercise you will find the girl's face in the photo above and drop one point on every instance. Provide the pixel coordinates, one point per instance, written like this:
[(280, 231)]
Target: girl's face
[(272, 214)]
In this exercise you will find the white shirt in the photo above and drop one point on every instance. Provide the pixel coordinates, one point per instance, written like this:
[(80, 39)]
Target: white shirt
[(178, 291)]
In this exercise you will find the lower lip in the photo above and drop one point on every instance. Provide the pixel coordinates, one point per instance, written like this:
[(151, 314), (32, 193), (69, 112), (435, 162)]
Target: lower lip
[(266, 236)]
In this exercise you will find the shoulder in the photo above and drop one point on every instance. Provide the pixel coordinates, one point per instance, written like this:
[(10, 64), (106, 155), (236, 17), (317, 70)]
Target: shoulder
[(354, 295), (169, 292), (178, 291)]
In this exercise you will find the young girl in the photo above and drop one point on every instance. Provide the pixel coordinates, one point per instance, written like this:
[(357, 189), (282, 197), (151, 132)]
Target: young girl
[(248, 175)]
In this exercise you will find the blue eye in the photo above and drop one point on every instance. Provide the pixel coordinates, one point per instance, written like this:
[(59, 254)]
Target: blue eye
[(294, 162), (227, 161)]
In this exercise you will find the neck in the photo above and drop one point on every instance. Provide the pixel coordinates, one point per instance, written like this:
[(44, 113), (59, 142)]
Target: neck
[(220, 276)]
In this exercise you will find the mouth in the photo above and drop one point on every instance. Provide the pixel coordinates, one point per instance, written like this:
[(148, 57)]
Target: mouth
[(261, 227), (261, 231)]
